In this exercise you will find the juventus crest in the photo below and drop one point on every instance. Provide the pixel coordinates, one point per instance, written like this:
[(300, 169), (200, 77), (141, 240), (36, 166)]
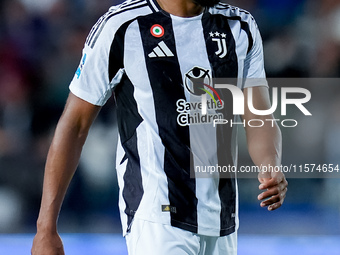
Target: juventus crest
[(221, 41)]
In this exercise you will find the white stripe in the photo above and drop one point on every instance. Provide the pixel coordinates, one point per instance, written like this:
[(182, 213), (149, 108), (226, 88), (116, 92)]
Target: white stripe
[(237, 223), (98, 27), (153, 5), (240, 47), (129, 4), (120, 169), (202, 140), (94, 28), (150, 147)]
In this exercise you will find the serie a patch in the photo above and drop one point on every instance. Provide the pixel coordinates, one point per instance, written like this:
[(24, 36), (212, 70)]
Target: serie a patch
[(169, 208)]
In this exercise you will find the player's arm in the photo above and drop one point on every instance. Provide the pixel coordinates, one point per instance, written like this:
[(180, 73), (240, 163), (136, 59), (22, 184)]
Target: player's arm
[(264, 145), (62, 161)]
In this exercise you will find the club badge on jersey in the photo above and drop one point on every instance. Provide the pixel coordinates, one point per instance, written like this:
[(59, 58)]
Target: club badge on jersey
[(220, 39)]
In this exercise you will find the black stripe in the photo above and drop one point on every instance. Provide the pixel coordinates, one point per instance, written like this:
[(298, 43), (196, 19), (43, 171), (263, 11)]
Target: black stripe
[(245, 27), (116, 55), (226, 67), (227, 186), (222, 4), (227, 6), (94, 28), (127, 4), (227, 193), (128, 117), (99, 25), (128, 120), (155, 3), (166, 82), (103, 19), (95, 34), (133, 186)]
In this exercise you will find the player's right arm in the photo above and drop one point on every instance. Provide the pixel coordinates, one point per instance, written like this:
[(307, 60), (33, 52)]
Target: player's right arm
[(62, 161)]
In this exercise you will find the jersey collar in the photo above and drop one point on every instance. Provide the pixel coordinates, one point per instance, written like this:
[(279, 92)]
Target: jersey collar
[(154, 5)]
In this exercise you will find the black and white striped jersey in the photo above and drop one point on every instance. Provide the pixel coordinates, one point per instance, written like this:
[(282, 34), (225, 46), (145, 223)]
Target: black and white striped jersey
[(152, 61)]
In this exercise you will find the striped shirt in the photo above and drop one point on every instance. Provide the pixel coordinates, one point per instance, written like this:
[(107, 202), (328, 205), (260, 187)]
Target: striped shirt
[(154, 62)]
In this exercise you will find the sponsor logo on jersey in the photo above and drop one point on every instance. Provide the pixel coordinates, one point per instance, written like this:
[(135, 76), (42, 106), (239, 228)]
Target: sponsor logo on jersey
[(199, 109), (221, 40), (198, 82), (81, 66), (161, 51)]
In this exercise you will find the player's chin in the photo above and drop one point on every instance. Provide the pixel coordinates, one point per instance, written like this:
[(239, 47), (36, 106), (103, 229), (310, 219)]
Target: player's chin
[(206, 3)]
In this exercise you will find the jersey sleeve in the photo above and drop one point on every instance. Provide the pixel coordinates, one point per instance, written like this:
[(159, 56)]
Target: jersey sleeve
[(91, 81), (254, 72)]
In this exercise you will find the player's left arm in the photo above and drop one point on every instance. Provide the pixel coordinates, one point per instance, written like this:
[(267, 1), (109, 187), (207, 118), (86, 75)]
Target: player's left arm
[(264, 145)]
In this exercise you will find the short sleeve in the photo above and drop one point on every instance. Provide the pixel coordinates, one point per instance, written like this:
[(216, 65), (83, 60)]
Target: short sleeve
[(91, 81), (254, 72)]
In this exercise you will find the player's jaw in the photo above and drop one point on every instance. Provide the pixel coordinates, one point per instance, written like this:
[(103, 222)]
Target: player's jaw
[(206, 3)]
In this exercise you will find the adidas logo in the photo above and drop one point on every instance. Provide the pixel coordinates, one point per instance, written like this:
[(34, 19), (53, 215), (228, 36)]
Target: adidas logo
[(169, 208), (161, 51)]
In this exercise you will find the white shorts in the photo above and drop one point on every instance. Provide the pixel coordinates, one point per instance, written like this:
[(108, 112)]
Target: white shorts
[(157, 239)]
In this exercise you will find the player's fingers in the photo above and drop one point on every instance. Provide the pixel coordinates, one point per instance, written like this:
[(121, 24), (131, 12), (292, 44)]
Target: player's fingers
[(269, 193), (272, 191), (275, 198), (275, 206), (270, 201), (275, 201)]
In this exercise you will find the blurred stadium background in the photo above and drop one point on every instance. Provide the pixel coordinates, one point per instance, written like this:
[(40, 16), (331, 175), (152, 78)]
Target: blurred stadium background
[(40, 49)]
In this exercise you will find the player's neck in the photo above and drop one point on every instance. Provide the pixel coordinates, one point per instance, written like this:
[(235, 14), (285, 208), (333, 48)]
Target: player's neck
[(181, 8)]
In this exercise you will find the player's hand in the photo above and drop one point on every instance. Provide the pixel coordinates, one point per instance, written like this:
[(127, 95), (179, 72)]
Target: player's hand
[(274, 186), (47, 244)]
